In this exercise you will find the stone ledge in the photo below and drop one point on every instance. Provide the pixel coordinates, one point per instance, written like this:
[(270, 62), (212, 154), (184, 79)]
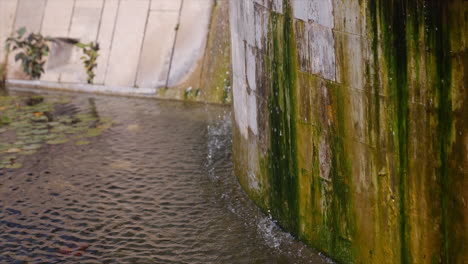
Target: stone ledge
[(86, 88)]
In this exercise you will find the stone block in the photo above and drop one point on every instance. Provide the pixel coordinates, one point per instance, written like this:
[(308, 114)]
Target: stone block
[(364, 168), (315, 49), (238, 55), (263, 3), (321, 12), (239, 94), (251, 68), (157, 47), (30, 14), (317, 11), (56, 23), (126, 43), (105, 35), (165, 5), (252, 112), (359, 117), (7, 18), (352, 54), (262, 78), (350, 16), (304, 98), (84, 27), (262, 17), (303, 45), (248, 23), (57, 18), (277, 6), (85, 21), (190, 40), (301, 9), (234, 15), (322, 52), (420, 138), (387, 137), (263, 123), (305, 152)]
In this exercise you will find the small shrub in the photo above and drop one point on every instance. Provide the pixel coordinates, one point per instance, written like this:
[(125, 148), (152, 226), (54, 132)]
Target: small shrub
[(91, 51), (33, 49)]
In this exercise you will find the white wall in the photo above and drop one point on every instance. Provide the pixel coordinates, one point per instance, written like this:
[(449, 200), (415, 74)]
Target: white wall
[(137, 38)]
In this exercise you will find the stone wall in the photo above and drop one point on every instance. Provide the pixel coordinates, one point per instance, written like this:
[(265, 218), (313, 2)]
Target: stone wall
[(146, 44), (351, 124)]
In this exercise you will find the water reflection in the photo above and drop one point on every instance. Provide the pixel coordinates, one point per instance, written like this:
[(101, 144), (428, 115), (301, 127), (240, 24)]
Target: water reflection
[(155, 187)]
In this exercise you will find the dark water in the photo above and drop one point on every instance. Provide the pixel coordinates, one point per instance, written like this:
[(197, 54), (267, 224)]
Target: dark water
[(157, 187)]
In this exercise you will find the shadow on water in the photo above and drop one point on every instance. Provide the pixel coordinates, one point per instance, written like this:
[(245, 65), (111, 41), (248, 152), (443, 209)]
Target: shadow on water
[(156, 187)]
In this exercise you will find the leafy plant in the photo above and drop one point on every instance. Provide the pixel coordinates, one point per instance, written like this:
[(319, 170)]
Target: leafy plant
[(33, 49), (91, 51)]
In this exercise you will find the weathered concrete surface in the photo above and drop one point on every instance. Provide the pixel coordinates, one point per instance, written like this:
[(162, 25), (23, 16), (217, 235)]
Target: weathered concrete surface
[(215, 81), (84, 26), (350, 124), (86, 19), (7, 18), (30, 14), (166, 5), (105, 36), (138, 43), (126, 44), (154, 63), (191, 39), (56, 23), (57, 18), (210, 79)]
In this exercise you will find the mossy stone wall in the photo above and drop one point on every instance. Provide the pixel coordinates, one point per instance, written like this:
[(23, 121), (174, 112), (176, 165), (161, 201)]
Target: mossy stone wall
[(351, 124)]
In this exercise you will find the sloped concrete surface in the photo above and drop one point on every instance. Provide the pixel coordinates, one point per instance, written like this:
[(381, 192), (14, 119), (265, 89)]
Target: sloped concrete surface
[(143, 43)]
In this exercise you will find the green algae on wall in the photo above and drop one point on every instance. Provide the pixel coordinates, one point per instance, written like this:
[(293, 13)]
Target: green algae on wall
[(282, 158), (215, 77), (415, 44), (367, 168), (287, 184)]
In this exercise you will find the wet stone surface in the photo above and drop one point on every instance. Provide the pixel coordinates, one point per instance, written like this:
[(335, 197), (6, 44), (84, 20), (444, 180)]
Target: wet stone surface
[(155, 185)]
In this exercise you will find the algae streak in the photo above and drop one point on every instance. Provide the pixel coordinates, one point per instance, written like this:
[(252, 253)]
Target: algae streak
[(282, 158)]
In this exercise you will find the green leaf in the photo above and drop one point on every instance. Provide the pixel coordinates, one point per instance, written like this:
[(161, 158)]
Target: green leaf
[(21, 31), (80, 45), (31, 38), (19, 56)]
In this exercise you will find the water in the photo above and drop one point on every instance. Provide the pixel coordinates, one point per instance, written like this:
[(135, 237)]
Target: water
[(156, 187)]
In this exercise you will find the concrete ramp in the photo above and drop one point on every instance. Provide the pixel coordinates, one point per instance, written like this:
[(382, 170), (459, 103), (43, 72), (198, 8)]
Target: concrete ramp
[(144, 43)]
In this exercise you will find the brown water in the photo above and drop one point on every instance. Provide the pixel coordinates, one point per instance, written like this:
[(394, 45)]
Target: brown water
[(156, 187)]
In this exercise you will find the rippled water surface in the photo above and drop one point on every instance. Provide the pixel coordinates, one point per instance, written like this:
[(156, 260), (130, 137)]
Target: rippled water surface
[(156, 187)]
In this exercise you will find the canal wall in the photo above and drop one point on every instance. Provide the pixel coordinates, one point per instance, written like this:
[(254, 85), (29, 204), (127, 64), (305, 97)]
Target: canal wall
[(350, 124), (144, 45)]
